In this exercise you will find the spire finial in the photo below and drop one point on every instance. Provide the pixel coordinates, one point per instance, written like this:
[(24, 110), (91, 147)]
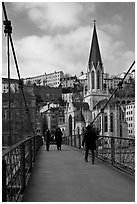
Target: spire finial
[(94, 22)]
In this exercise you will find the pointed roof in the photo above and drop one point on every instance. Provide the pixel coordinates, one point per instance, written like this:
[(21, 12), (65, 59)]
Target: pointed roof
[(79, 105), (95, 56)]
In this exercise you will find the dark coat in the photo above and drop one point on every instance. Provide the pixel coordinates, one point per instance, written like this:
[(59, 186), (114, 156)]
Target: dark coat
[(47, 136), (58, 136), (90, 137)]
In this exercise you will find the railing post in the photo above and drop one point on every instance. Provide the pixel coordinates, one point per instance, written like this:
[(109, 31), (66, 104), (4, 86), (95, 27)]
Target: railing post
[(71, 140), (74, 140), (4, 188), (68, 140), (79, 136), (23, 176), (65, 140), (30, 152), (34, 147), (112, 150), (97, 147)]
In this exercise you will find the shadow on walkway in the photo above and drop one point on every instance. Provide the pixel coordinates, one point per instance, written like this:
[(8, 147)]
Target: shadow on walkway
[(64, 176)]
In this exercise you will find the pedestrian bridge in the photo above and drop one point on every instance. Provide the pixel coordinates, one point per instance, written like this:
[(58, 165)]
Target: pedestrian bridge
[(64, 176)]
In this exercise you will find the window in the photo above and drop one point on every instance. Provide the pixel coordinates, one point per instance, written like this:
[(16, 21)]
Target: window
[(111, 122), (106, 123), (100, 123), (93, 79), (98, 79)]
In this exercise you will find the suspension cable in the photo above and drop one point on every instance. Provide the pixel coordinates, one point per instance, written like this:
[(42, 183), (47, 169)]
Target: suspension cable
[(8, 29), (118, 87)]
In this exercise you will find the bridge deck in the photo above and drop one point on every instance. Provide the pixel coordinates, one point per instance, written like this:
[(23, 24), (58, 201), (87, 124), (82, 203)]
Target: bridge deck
[(64, 176)]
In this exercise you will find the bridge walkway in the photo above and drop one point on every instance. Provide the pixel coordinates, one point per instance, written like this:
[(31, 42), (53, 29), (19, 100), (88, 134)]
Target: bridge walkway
[(64, 176)]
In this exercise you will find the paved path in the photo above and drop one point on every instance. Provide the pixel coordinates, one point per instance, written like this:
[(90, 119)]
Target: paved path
[(64, 176)]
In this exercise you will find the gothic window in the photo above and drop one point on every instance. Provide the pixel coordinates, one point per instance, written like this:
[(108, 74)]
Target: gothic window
[(111, 122), (85, 89), (98, 79), (93, 79), (70, 125), (106, 123), (100, 123)]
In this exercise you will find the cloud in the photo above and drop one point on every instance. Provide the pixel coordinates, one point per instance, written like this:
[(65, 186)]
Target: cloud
[(112, 29), (115, 57), (69, 53), (117, 18), (52, 15), (64, 52)]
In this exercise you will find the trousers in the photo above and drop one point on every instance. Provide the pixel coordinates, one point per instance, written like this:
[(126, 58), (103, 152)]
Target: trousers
[(87, 152)]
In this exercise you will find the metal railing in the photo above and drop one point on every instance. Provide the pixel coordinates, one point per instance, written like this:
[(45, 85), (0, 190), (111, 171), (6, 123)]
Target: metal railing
[(118, 151), (17, 162)]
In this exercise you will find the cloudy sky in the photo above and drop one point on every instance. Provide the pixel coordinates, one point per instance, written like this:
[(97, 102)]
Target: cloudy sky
[(57, 36)]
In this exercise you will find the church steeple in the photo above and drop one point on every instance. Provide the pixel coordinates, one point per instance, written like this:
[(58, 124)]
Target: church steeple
[(95, 57)]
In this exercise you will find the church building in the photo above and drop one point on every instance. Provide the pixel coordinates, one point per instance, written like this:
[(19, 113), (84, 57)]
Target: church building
[(94, 90)]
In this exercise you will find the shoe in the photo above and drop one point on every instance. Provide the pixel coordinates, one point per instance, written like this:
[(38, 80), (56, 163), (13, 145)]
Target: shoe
[(93, 162), (86, 160)]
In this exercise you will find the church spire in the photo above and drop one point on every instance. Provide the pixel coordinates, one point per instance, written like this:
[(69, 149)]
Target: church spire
[(95, 57)]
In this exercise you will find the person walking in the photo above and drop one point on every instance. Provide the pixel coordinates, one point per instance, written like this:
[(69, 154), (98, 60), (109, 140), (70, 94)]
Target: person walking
[(89, 139), (47, 139), (58, 138)]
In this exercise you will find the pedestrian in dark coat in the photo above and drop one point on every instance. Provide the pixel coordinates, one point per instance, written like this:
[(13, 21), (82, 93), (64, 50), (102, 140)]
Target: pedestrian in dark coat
[(47, 139), (89, 139), (58, 138)]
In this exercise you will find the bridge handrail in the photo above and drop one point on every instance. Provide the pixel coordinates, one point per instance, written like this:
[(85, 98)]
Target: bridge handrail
[(118, 151), (17, 163), (9, 149)]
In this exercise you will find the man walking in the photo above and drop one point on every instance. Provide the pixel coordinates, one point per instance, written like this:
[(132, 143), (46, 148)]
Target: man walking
[(89, 139), (47, 139), (58, 138)]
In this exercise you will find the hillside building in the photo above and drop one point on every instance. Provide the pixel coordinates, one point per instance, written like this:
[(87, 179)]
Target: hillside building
[(130, 118), (50, 79)]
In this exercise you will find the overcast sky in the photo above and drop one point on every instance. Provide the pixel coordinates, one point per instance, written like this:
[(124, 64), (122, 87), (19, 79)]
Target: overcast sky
[(57, 36)]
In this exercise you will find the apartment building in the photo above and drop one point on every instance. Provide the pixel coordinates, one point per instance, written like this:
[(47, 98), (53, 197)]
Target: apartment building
[(130, 118), (14, 85), (111, 82), (68, 81), (51, 79)]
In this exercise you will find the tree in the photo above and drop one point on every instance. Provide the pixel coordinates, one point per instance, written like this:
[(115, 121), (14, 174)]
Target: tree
[(39, 100)]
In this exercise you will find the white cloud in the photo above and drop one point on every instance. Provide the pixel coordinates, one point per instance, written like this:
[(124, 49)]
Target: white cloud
[(114, 55), (69, 53), (111, 28), (52, 15)]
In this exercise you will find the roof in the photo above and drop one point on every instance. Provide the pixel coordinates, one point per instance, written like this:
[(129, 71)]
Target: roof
[(79, 105), (82, 77), (95, 56), (101, 103)]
